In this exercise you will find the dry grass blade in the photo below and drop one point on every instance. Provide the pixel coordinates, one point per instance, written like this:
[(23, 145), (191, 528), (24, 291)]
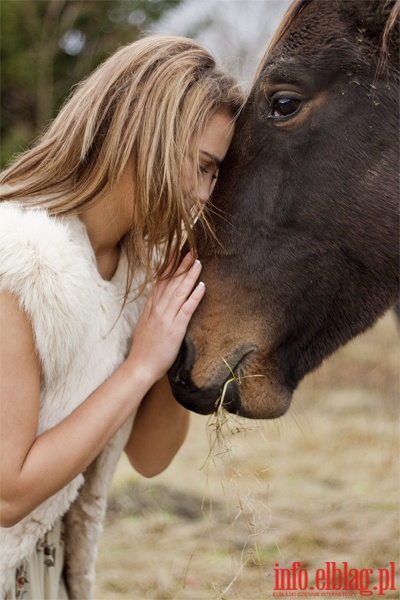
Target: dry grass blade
[(221, 419)]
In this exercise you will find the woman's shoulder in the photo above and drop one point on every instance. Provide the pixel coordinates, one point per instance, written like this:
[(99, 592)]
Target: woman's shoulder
[(36, 245), (44, 265), (31, 234)]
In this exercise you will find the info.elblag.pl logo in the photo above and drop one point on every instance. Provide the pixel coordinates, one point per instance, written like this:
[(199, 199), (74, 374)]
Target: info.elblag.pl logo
[(334, 579)]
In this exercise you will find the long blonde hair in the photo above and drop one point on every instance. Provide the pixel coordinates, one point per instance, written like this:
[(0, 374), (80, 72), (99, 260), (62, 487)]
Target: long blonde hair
[(150, 102)]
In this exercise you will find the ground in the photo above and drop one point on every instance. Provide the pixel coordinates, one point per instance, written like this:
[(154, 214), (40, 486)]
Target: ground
[(320, 485)]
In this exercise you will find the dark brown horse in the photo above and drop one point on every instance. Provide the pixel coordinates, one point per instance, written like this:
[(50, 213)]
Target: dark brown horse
[(306, 211)]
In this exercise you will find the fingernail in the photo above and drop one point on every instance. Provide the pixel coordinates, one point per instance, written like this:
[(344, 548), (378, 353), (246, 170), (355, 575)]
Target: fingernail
[(201, 285), (196, 264)]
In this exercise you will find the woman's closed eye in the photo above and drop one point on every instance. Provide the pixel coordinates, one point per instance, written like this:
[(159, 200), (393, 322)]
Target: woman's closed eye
[(210, 169), (208, 176)]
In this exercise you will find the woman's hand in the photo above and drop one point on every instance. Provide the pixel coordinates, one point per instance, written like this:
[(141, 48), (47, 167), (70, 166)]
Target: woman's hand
[(162, 326)]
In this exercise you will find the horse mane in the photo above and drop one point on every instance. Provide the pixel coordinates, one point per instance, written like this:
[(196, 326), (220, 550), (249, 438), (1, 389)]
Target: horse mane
[(391, 23), (298, 5)]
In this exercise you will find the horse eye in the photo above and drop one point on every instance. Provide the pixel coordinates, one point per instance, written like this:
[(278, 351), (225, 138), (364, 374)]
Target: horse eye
[(285, 107)]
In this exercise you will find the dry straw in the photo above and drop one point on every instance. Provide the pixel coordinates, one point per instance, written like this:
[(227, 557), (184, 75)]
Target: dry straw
[(252, 513)]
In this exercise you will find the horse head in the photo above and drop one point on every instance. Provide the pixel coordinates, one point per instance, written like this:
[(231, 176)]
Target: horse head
[(305, 211)]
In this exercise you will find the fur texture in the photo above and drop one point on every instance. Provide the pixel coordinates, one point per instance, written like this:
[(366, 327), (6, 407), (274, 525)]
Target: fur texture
[(49, 265)]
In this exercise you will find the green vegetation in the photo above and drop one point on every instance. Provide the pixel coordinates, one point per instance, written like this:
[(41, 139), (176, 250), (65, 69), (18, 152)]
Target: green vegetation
[(47, 46)]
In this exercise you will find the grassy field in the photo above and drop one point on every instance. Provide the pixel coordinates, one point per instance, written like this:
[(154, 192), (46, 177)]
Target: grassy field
[(319, 485)]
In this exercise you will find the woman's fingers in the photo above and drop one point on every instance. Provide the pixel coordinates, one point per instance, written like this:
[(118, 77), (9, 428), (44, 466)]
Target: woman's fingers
[(165, 289), (187, 309), (162, 283), (180, 297), (162, 326), (182, 288)]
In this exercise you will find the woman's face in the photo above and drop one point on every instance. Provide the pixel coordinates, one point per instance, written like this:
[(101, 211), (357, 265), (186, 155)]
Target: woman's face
[(213, 146)]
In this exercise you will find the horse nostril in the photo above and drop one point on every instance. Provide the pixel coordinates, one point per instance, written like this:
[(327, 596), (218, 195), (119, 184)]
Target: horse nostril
[(180, 370)]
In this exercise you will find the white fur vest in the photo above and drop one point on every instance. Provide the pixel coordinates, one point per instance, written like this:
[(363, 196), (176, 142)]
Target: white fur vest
[(81, 338)]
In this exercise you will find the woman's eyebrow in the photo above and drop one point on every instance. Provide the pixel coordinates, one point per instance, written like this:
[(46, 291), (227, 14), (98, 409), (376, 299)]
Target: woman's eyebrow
[(216, 160)]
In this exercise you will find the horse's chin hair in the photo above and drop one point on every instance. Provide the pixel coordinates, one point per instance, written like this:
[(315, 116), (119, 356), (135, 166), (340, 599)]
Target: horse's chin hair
[(262, 396)]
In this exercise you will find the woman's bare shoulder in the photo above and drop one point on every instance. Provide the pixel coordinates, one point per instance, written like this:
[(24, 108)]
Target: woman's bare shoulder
[(17, 345), (19, 380)]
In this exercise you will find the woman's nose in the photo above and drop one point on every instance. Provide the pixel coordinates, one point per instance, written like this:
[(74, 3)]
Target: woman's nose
[(204, 191)]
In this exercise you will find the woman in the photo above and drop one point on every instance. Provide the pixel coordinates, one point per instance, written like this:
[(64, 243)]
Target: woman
[(89, 217)]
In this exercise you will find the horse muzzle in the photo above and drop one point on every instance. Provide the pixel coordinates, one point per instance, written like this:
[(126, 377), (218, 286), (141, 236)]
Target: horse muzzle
[(223, 386)]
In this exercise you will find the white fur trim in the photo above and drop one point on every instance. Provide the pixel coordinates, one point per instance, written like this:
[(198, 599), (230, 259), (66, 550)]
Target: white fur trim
[(49, 265)]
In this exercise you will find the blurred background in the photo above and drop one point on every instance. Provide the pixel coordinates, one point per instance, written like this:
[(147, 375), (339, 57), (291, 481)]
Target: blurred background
[(47, 46), (320, 484)]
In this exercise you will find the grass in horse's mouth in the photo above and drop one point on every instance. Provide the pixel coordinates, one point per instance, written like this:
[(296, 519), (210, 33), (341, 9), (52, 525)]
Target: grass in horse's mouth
[(221, 419)]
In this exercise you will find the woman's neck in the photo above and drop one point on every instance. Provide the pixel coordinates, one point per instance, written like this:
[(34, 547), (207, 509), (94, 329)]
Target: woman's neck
[(107, 221)]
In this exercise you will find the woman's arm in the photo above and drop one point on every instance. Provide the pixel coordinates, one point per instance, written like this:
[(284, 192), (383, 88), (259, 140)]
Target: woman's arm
[(158, 431), (33, 469)]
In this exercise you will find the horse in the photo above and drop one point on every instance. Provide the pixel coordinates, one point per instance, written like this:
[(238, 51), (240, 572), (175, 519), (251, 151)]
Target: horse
[(305, 212)]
